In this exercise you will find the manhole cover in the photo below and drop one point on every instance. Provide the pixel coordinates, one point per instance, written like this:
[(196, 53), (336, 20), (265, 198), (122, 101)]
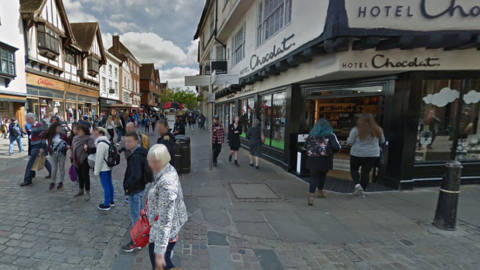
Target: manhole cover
[(253, 191)]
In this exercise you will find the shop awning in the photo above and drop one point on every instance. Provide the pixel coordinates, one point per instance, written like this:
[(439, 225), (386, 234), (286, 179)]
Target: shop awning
[(11, 98), (154, 108)]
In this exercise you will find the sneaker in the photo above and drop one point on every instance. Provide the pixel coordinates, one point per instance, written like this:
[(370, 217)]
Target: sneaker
[(112, 204), (130, 247), (60, 185), (126, 200), (118, 144), (358, 190), (103, 207), (52, 186), (362, 195)]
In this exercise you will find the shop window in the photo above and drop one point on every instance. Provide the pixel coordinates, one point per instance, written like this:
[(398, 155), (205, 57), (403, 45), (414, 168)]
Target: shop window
[(238, 45), (468, 145), (266, 117), (92, 62), (110, 70), (272, 119), (273, 15), (247, 114), (7, 62), (48, 41), (440, 105)]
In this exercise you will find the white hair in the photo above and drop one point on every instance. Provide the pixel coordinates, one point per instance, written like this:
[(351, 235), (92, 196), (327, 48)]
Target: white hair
[(159, 152), (32, 116)]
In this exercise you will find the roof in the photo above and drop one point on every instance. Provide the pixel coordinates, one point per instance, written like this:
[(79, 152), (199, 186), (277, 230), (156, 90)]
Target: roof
[(85, 35), (146, 71), (200, 23), (157, 75), (123, 51), (30, 8)]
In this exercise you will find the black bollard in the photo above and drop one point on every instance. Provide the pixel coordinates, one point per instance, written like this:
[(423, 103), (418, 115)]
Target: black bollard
[(446, 213)]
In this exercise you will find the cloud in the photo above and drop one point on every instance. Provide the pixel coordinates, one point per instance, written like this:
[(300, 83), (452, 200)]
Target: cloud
[(472, 97), (176, 76), (123, 26), (442, 98), (76, 13)]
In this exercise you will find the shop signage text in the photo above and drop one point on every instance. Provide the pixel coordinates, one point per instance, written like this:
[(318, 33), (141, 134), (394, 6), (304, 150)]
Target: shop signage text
[(45, 82), (109, 101), (256, 60), (381, 61), (401, 11), (248, 89)]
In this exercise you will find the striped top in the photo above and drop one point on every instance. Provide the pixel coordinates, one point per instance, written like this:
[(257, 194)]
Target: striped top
[(37, 136)]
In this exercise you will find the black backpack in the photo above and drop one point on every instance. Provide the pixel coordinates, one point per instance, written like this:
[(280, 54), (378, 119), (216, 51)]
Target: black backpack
[(14, 130), (147, 173), (113, 157)]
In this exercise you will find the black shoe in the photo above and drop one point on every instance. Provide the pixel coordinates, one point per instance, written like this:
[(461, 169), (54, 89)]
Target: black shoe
[(130, 247), (251, 164), (26, 184), (214, 164), (256, 167), (112, 204), (236, 163), (60, 185), (103, 207), (48, 177), (52, 186), (230, 158)]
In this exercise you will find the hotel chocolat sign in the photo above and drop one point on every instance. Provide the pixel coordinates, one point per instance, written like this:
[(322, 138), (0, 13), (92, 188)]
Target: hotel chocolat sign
[(381, 61), (434, 15), (257, 60)]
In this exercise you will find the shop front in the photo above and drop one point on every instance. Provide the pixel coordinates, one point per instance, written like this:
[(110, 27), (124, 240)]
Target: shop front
[(108, 106), (423, 89), (48, 97)]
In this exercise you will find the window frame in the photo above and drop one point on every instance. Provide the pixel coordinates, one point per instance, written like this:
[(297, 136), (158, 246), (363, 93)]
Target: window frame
[(238, 47), (10, 60), (93, 65), (70, 53), (45, 44), (286, 19)]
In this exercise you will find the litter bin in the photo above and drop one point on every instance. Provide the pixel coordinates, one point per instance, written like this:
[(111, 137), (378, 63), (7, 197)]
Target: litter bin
[(183, 144), (178, 157)]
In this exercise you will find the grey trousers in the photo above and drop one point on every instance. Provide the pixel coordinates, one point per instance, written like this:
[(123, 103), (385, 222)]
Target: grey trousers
[(58, 161)]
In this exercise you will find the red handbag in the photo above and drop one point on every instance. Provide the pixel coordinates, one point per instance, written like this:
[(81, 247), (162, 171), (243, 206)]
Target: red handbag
[(140, 233)]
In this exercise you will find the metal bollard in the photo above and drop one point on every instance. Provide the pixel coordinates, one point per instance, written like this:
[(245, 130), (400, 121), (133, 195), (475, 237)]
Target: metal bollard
[(446, 213)]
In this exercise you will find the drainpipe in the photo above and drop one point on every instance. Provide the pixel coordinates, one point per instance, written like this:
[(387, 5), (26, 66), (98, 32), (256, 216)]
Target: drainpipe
[(216, 21)]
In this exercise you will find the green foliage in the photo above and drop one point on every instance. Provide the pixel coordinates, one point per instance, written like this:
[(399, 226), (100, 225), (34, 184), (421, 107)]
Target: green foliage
[(167, 96), (187, 97)]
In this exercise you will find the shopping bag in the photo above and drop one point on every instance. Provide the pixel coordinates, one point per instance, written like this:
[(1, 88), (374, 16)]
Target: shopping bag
[(72, 173), (91, 160), (39, 163)]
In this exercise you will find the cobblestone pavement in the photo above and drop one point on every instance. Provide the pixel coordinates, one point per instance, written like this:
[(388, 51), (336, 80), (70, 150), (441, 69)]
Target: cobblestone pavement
[(385, 231), (239, 218)]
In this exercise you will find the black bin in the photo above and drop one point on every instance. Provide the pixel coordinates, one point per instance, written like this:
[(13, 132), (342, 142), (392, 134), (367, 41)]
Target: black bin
[(178, 157), (183, 143)]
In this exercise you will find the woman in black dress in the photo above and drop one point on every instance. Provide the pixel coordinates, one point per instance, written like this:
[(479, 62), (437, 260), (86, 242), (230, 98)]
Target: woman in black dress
[(234, 132), (254, 135)]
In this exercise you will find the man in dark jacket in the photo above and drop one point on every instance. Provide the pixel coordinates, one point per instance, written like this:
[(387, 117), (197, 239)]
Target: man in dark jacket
[(179, 127), (166, 138), (134, 183)]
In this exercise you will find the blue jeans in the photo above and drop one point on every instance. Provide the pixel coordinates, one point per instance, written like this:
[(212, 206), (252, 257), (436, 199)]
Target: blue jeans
[(14, 139), (119, 135), (29, 174), (135, 202), (168, 254), (107, 184)]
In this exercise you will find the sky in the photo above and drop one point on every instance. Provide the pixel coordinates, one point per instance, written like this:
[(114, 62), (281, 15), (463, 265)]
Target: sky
[(155, 31)]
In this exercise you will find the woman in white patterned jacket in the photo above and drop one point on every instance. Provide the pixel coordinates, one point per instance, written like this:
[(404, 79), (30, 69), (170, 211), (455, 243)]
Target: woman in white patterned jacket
[(165, 201)]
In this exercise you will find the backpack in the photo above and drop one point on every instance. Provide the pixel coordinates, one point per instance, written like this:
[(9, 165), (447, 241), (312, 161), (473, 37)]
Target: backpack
[(145, 143), (113, 157), (15, 130), (147, 173), (318, 147)]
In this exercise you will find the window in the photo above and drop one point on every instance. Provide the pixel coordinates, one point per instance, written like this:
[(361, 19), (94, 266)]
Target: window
[(104, 69), (247, 114), (272, 119), (116, 87), (128, 84), (125, 81), (48, 40), (7, 62), (151, 83), (238, 45), (220, 53), (70, 57), (273, 15), (116, 72), (212, 22), (109, 84), (92, 63), (104, 85)]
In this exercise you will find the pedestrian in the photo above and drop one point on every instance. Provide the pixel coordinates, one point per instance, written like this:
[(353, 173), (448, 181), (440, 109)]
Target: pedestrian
[(57, 149), (140, 121), (166, 138), (255, 135), (102, 169), (96, 122), (118, 128), (321, 145), (28, 129), (15, 135), (85, 122), (131, 128), (39, 147), (147, 124), (218, 137), (178, 127), (82, 146), (135, 180), (154, 120), (365, 139), (165, 202), (110, 125), (234, 132), (4, 123)]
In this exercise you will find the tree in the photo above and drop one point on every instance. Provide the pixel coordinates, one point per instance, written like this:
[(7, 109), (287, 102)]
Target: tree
[(187, 97), (167, 95)]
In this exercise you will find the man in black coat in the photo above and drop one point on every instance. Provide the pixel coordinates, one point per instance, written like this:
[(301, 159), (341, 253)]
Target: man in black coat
[(134, 182), (166, 138), (179, 127)]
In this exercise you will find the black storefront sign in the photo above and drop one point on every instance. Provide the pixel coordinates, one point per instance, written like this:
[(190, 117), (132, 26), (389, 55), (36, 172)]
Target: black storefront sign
[(220, 67), (108, 102)]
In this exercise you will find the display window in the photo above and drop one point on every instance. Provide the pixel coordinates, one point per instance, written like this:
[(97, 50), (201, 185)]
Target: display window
[(272, 118), (247, 114)]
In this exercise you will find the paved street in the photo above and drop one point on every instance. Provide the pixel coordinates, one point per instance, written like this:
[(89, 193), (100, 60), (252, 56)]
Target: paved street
[(240, 218)]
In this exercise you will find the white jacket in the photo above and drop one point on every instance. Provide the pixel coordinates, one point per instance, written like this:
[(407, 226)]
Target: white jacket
[(102, 155)]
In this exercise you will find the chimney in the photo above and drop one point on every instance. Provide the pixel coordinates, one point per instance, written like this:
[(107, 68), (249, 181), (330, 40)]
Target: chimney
[(116, 41)]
